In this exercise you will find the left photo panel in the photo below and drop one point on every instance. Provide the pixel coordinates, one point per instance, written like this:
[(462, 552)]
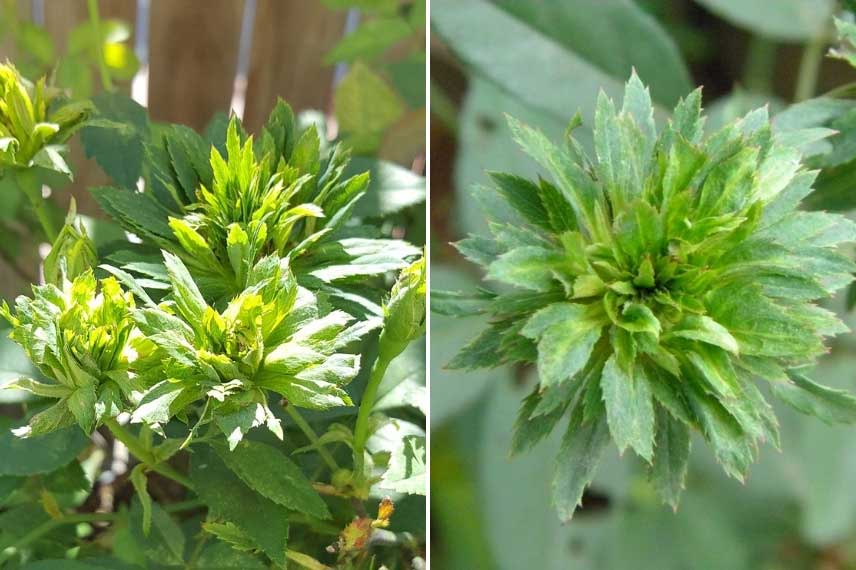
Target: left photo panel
[(213, 285)]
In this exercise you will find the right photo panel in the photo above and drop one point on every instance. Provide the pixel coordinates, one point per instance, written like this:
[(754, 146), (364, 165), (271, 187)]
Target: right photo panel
[(641, 299)]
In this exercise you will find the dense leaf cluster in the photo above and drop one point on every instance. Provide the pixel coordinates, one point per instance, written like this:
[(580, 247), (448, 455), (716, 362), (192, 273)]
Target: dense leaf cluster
[(223, 205), (79, 335), (34, 123), (108, 356), (653, 285), (245, 289)]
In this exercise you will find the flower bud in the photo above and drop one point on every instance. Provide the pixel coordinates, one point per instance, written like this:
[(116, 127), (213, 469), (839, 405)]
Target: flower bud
[(404, 312)]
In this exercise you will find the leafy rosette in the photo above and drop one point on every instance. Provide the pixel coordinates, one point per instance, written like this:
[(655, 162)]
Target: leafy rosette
[(80, 335), (272, 337), (34, 123), (283, 194), (653, 286)]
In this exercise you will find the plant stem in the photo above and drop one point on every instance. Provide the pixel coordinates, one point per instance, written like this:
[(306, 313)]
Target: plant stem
[(760, 65), (305, 561), (810, 68), (144, 455), (30, 186), (361, 431), (95, 22), (50, 525), (312, 437)]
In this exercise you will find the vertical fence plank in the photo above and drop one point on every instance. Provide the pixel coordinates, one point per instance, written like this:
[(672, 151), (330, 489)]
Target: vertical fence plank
[(290, 40), (61, 17), (194, 50)]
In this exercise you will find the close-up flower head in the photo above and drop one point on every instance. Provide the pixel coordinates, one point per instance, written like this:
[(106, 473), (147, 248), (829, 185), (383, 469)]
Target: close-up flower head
[(270, 339), (285, 193), (80, 336), (661, 288)]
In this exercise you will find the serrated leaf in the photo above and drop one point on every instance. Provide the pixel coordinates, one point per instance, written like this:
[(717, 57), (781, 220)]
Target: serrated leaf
[(528, 267), (566, 335), (830, 405), (270, 473), (629, 408), (671, 457), (580, 453), (116, 140), (407, 472), (38, 454), (228, 498)]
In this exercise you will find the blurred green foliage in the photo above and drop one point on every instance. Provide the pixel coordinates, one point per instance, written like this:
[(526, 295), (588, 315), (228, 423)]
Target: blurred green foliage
[(542, 62), (75, 65), (380, 102)]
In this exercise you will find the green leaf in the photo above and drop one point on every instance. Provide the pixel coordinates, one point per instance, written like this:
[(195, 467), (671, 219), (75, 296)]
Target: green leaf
[(165, 542), (116, 140), (579, 456), (81, 403), (789, 20), (268, 471), (629, 408), (189, 300), (365, 103), (524, 197), (38, 454), (194, 244), (705, 329), (566, 335), (229, 499), (547, 41), (407, 472), (638, 318), (529, 429), (159, 403), (671, 457), (62, 564), (830, 405), (392, 188), (221, 556), (529, 267), (138, 480), (372, 38)]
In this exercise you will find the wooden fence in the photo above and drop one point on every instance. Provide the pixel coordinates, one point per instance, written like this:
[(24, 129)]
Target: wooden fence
[(192, 53)]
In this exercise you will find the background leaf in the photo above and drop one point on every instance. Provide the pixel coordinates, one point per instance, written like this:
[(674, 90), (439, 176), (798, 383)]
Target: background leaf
[(38, 454), (784, 19)]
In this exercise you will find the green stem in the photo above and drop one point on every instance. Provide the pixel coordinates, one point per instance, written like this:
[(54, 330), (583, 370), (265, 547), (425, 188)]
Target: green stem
[(810, 68), (32, 188), (361, 431), (760, 65), (181, 506), (95, 22), (312, 437), (305, 561), (144, 455), (76, 518), (48, 526)]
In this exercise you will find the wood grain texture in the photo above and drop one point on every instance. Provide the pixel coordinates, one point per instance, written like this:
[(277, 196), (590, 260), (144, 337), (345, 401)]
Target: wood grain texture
[(193, 54), (290, 40)]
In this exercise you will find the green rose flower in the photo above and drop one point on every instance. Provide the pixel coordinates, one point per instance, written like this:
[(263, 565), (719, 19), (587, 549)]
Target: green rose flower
[(80, 335), (223, 205), (271, 338), (654, 286)]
